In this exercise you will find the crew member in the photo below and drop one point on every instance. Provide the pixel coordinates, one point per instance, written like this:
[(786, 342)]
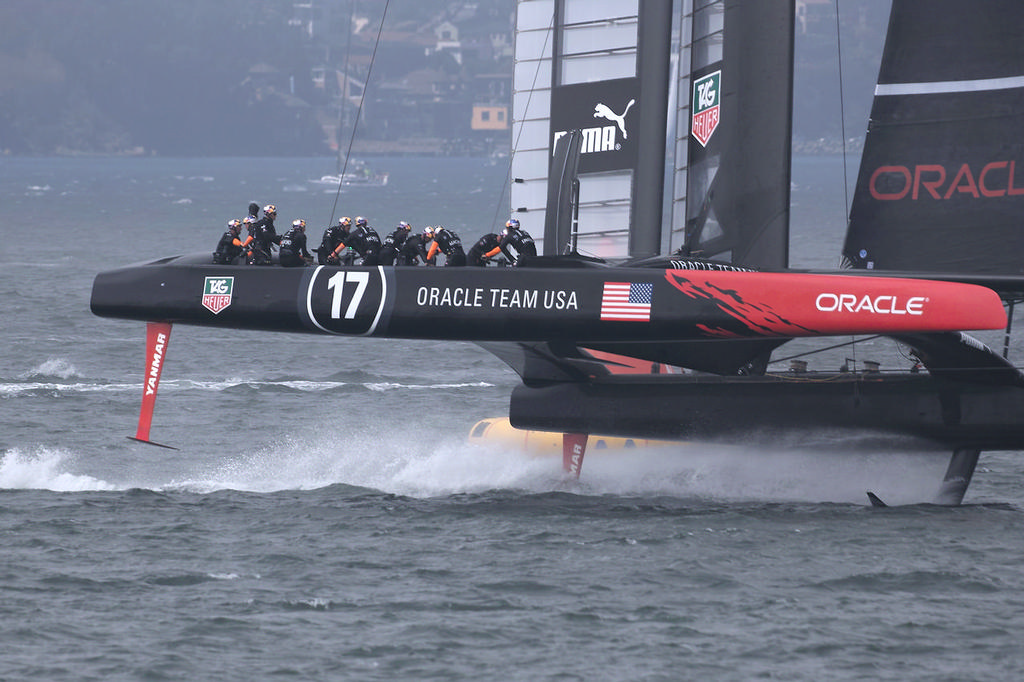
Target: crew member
[(248, 223), (230, 245), (485, 248), (264, 237), (293, 246), (393, 243), (448, 243), (415, 247), (333, 235), (519, 239), (364, 240)]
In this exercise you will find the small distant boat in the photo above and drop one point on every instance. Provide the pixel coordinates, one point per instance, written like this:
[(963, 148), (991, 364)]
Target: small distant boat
[(358, 173)]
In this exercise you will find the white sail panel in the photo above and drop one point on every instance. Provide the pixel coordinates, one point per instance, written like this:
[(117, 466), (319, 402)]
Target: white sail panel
[(534, 15), (532, 134), (620, 35), (589, 68), (598, 11)]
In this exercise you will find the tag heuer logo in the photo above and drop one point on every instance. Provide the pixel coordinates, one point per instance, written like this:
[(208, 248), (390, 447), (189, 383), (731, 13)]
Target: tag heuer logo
[(217, 293), (707, 96)]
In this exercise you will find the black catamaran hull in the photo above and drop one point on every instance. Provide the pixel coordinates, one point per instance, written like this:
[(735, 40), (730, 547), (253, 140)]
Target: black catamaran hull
[(538, 319), (543, 304), (848, 410)]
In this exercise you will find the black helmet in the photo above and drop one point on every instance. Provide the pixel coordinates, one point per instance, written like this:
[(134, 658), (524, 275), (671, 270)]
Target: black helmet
[(254, 208)]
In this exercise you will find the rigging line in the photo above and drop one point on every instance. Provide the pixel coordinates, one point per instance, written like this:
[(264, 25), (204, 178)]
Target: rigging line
[(359, 111), (515, 145), (842, 114), (842, 128), (344, 94), (821, 350)]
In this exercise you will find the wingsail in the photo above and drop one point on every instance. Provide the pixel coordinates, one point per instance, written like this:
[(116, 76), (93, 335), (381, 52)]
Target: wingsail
[(941, 183)]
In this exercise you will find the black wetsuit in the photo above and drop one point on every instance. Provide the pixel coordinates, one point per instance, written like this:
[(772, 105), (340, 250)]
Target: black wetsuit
[(412, 250), (451, 246), (228, 249), (521, 241), (333, 236), (366, 242), (293, 248), (485, 244), (264, 234), (392, 245)]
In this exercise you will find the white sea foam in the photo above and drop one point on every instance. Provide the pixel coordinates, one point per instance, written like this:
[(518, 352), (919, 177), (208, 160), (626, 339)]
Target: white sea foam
[(746, 474), (405, 464), (62, 370), (426, 466), (44, 469), (13, 390), (53, 367)]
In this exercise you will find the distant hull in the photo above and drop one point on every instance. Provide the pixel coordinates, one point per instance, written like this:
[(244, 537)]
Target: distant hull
[(353, 179)]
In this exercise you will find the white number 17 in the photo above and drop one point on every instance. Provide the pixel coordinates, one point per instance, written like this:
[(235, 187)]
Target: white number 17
[(337, 283)]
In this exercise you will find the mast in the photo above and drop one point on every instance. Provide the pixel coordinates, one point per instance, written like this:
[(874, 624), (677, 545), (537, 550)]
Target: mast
[(739, 105), (653, 59)]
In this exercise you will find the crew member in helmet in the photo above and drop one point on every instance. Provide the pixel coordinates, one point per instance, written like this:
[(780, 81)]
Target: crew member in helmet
[(393, 243), (293, 246), (485, 248), (229, 248), (249, 223), (364, 240), (519, 240), (265, 237), (414, 249), (448, 243), (333, 235)]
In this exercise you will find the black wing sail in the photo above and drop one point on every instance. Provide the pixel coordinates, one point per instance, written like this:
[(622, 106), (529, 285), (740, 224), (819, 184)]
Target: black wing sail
[(941, 184), (739, 167)]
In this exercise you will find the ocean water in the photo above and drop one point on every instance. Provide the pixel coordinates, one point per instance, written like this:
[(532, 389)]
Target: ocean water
[(325, 518)]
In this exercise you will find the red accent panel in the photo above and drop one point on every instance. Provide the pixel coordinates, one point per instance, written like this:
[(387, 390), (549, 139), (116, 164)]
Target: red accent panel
[(801, 304)]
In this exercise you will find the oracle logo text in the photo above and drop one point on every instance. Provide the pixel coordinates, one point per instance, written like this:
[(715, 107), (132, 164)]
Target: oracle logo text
[(877, 305), (932, 181)]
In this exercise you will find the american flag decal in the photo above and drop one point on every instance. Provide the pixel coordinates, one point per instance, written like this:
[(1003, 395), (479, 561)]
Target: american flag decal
[(627, 301)]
